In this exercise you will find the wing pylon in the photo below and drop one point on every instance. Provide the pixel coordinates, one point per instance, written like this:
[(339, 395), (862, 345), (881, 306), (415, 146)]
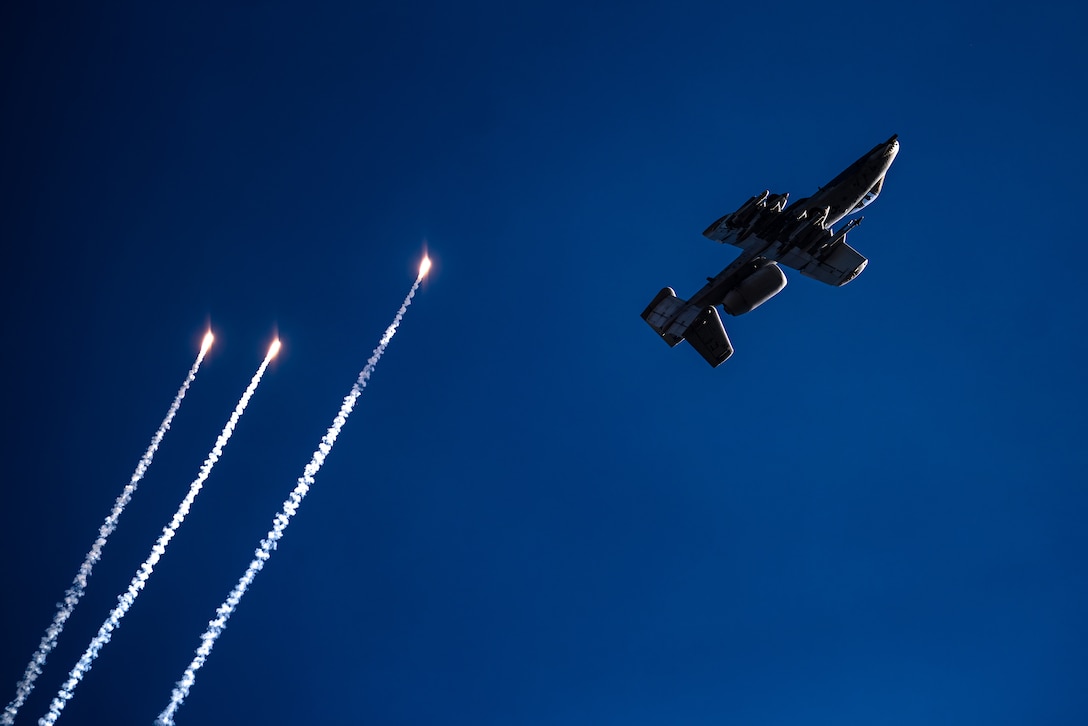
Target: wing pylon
[(802, 241)]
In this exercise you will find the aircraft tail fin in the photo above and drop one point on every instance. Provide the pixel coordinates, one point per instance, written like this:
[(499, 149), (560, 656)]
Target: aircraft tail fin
[(707, 335), (661, 315), (675, 319)]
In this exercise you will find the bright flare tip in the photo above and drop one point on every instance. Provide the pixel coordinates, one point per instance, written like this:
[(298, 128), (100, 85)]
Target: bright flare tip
[(274, 348), (424, 267), (208, 338)]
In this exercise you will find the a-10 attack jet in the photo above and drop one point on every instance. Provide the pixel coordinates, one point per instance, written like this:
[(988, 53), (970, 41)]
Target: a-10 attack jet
[(771, 233)]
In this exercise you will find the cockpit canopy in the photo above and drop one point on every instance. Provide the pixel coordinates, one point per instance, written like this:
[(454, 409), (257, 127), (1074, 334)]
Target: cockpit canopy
[(869, 197)]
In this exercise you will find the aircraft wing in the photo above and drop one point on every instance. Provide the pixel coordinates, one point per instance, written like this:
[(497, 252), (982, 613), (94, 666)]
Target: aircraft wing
[(836, 265), (803, 243)]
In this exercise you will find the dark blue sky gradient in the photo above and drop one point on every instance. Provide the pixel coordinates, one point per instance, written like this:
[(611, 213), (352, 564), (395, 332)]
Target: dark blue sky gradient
[(539, 514)]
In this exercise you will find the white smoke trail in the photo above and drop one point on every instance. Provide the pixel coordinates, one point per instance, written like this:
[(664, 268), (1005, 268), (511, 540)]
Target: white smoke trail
[(281, 520), (128, 597), (79, 584)]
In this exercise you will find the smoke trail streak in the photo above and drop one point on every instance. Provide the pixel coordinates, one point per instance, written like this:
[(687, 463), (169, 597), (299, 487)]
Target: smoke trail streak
[(79, 584), (128, 597), (283, 518)]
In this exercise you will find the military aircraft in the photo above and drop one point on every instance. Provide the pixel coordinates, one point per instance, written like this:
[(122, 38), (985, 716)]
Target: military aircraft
[(770, 233)]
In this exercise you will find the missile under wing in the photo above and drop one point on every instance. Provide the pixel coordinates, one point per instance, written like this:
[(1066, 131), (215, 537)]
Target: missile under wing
[(798, 242), (770, 233)]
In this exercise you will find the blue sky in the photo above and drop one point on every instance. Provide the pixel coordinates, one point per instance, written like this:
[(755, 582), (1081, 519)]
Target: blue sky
[(539, 513)]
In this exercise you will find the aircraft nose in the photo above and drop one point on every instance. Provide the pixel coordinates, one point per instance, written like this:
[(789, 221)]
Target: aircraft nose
[(891, 147)]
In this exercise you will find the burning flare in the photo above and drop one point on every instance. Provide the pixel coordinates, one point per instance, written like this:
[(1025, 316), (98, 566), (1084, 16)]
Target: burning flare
[(139, 580), (424, 266), (79, 584), (283, 518)]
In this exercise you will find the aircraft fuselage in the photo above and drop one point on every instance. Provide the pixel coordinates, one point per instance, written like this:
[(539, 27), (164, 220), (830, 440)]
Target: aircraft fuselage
[(855, 187)]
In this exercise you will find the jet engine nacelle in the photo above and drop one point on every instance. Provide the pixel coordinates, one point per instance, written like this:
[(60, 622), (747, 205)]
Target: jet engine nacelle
[(754, 290)]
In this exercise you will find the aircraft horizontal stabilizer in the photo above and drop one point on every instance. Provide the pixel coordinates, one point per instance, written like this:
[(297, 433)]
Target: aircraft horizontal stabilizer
[(675, 319)]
